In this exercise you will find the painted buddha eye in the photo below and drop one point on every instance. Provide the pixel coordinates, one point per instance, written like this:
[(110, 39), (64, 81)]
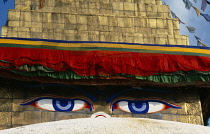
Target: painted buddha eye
[(59, 104), (142, 106)]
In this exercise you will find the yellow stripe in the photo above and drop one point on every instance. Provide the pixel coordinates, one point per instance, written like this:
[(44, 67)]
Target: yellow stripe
[(26, 42), (106, 45)]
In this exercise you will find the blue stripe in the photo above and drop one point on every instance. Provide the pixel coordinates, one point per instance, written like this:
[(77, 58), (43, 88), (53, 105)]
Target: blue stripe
[(62, 41)]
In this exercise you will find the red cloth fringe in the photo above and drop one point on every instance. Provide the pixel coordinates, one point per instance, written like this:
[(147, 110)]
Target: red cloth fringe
[(88, 63)]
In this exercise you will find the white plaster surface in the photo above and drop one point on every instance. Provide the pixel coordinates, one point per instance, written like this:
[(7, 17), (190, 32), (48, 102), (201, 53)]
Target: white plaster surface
[(110, 126)]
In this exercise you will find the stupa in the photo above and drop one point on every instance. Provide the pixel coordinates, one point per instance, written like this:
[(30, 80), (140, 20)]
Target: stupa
[(67, 59)]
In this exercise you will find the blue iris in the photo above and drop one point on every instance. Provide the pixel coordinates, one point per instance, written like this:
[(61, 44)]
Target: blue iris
[(63, 105), (138, 107)]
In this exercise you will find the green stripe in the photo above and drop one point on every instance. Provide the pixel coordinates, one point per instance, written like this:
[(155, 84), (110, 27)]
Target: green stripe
[(102, 48), (35, 68), (166, 78), (30, 68)]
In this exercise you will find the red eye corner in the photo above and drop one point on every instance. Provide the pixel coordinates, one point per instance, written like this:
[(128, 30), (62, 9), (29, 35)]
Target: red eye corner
[(33, 104), (88, 107), (166, 107), (116, 106)]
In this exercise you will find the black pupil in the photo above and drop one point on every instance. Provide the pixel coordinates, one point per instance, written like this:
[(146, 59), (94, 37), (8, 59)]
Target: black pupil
[(138, 104), (64, 103)]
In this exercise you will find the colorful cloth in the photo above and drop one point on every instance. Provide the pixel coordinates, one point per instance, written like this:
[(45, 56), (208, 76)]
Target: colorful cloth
[(92, 60), (206, 16), (203, 5), (197, 11), (188, 4), (164, 3), (173, 15), (191, 29), (207, 2), (199, 42)]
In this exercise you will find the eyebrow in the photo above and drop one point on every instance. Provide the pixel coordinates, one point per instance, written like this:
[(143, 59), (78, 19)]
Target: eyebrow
[(90, 96), (131, 89)]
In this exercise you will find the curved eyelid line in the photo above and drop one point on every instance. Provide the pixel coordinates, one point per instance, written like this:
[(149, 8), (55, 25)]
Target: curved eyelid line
[(47, 95), (34, 99), (145, 99)]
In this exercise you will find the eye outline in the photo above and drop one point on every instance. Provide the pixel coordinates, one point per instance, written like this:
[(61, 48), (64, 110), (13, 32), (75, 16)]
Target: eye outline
[(33, 101), (167, 104)]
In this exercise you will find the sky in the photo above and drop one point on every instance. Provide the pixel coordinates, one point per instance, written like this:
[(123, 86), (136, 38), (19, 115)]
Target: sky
[(4, 11), (190, 18), (177, 6)]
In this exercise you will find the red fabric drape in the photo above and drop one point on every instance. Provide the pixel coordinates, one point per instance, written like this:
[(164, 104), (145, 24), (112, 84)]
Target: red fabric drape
[(87, 63)]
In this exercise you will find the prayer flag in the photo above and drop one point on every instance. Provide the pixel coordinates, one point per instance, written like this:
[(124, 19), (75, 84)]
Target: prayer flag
[(199, 42), (203, 44), (164, 3), (206, 16), (197, 11), (198, 39), (191, 29), (174, 16), (207, 2), (204, 4), (188, 4)]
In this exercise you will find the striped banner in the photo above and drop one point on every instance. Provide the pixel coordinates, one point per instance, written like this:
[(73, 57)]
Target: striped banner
[(88, 60)]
